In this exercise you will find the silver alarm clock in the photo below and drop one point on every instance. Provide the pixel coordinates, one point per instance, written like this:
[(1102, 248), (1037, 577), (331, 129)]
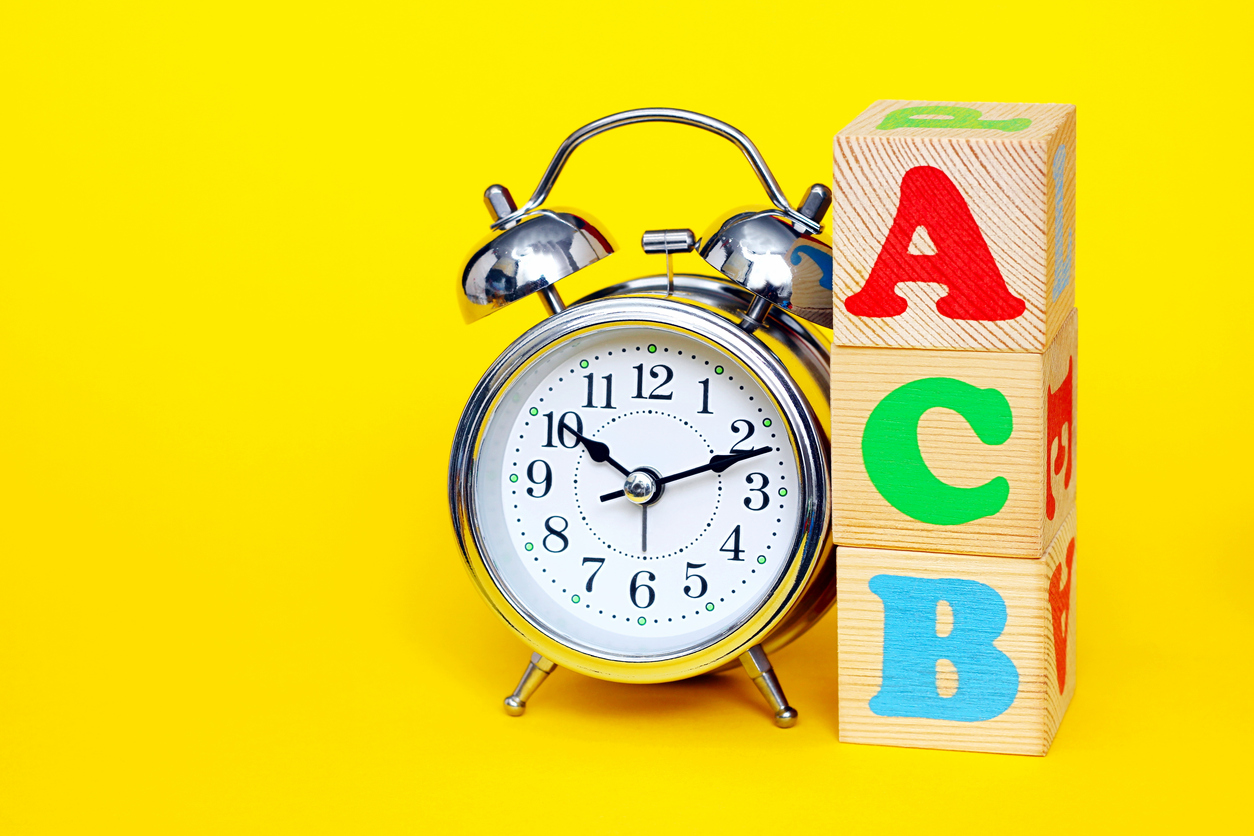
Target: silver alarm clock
[(640, 482)]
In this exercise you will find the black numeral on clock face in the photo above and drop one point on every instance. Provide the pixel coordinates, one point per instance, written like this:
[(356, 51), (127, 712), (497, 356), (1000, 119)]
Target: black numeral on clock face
[(638, 587), (555, 533), (734, 539), (536, 479), (609, 392), (655, 394), (689, 576), (705, 398), (600, 562), (563, 431), (760, 489), (735, 448)]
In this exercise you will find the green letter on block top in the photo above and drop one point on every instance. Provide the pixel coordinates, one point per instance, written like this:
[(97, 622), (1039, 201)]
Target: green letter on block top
[(894, 462), (949, 117)]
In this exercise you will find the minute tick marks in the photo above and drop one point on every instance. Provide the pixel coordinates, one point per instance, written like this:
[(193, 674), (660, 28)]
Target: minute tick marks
[(682, 440)]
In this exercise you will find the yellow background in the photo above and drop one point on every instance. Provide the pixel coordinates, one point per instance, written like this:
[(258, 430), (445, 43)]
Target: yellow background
[(231, 364)]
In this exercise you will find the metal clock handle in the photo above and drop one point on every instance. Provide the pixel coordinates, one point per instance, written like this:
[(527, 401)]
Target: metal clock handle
[(659, 114)]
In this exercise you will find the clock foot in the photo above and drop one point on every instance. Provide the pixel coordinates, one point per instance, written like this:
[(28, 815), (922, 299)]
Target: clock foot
[(537, 671), (763, 676)]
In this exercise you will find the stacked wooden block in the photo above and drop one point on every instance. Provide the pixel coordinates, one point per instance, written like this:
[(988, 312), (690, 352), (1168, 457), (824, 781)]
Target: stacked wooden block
[(953, 423)]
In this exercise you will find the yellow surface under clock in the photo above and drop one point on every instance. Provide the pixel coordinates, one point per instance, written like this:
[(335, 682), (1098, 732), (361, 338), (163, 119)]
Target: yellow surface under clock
[(231, 363)]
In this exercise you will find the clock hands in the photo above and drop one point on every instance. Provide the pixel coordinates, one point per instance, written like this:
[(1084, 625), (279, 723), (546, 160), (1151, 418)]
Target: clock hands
[(645, 484), (718, 463), (598, 451)]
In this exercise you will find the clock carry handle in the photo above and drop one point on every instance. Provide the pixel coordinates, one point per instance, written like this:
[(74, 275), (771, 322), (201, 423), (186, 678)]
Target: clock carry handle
[(659, 114), (769, 252)]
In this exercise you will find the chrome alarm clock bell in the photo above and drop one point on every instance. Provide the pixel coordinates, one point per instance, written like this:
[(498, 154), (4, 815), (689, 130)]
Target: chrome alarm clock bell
[(640, 482)]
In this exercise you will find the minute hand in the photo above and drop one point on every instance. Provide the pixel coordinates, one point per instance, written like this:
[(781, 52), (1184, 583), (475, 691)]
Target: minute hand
[(718, 463)]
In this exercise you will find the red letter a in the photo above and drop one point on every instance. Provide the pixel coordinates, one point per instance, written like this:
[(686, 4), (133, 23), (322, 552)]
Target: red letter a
[(962, 262)]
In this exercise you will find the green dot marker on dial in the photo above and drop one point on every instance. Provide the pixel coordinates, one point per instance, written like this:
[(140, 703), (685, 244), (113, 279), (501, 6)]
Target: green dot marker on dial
[(709, 608), (513, 477), (783, 491), (653, 349), (535, 411), (718, 369), (761, 558), (583, 364), (574, 599), (642, 621), (529, 546), (766, 422)]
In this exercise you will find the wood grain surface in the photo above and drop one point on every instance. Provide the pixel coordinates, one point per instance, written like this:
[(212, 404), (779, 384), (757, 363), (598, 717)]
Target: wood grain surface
[(1005, 176), (812, 280), (1036, 594), (1036, 463)]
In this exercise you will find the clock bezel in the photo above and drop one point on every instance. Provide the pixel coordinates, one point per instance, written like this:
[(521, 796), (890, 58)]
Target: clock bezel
[(804, 436)]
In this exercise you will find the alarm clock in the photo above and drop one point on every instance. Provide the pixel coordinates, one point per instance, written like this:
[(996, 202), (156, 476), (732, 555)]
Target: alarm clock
[(640, 483)]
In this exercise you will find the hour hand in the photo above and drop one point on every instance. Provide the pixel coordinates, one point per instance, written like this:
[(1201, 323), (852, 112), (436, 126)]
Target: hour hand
[(598, 451)]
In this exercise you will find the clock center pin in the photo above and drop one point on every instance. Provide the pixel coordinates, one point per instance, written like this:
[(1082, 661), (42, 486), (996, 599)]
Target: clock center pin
[(643, 487)]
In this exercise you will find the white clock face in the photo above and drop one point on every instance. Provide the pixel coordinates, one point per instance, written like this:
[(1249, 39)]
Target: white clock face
[(718, 508)]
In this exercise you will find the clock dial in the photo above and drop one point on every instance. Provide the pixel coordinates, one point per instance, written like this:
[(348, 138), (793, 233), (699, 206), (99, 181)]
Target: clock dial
[(639, 492)]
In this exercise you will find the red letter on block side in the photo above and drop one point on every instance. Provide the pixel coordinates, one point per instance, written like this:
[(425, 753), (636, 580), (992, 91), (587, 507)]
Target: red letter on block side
[(962, 262), (1061, 411), (1060, 608)]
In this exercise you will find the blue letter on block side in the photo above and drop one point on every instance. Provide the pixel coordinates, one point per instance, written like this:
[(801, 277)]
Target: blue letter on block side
[(987, 680)]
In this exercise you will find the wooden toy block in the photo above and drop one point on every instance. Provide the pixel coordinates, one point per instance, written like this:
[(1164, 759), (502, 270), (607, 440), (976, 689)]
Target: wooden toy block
[(946, 651), (953, 225), (956, 451), (812, 281)]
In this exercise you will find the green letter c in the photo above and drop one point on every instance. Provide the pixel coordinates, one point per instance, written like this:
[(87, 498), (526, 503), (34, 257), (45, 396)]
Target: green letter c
[(894, 463)]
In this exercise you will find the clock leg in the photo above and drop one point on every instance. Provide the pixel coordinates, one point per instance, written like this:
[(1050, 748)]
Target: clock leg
[(537, 671), (763, 676)]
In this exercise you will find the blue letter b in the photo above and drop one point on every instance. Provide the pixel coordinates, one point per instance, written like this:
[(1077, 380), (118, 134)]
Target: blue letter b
[(987, 680)]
